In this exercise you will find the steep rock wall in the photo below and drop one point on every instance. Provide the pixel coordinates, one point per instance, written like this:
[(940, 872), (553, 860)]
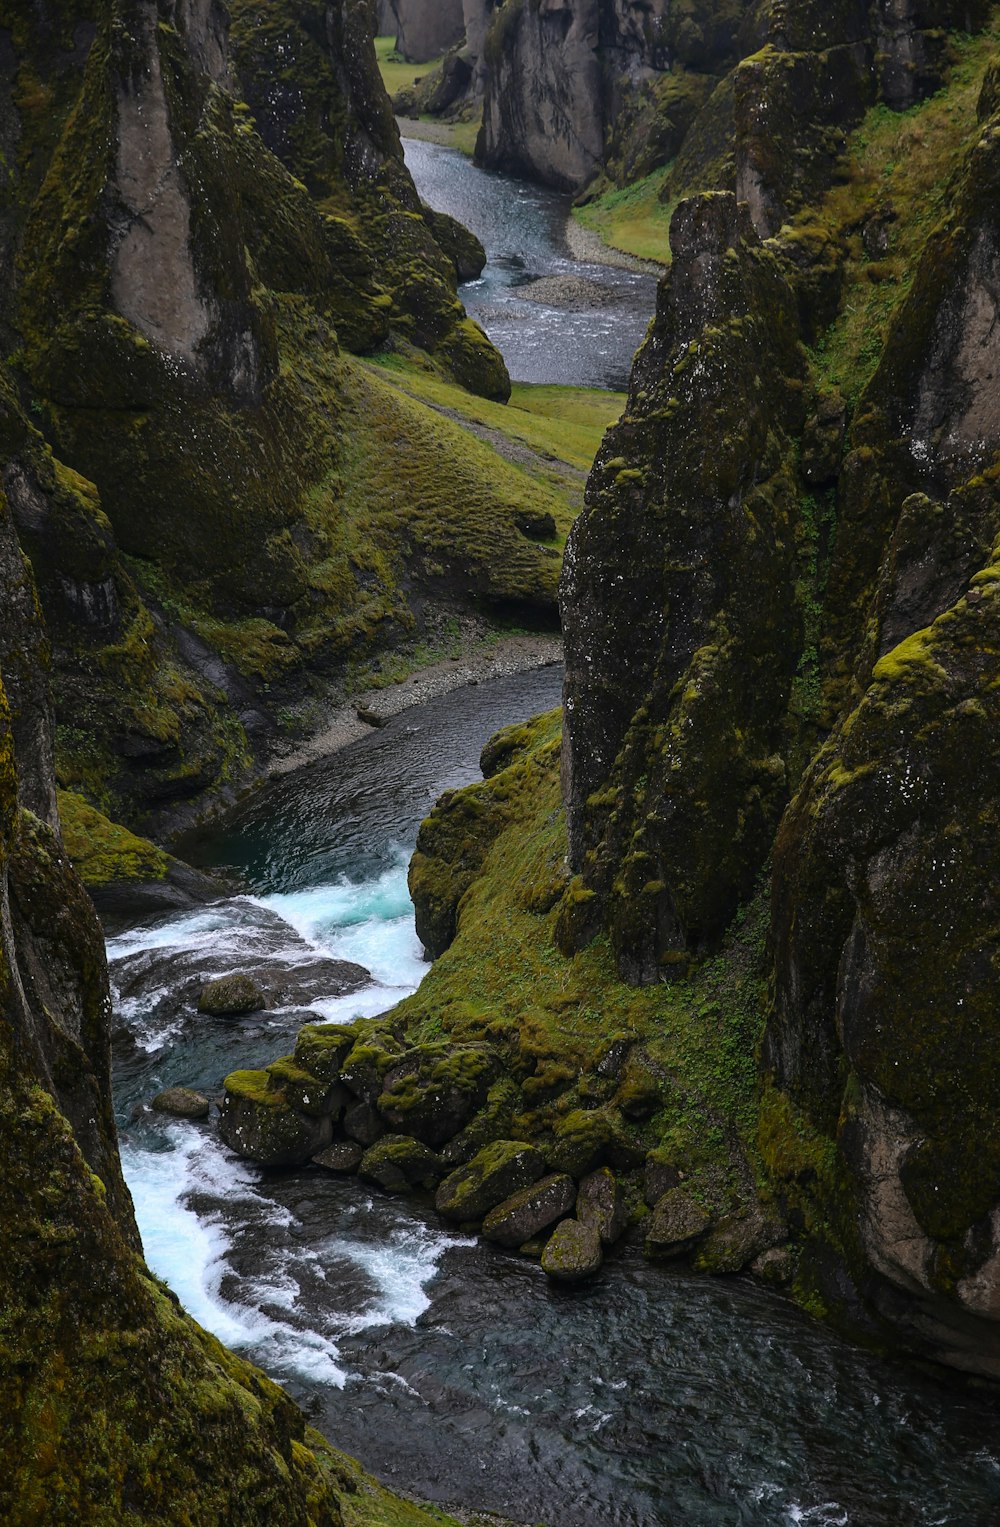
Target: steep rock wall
[(427, 28)]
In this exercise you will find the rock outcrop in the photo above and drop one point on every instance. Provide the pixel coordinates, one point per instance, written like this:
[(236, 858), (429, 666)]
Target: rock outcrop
[(427, 28)]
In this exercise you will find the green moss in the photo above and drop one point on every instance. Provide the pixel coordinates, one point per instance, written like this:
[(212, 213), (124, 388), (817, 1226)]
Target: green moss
[(101, 850)]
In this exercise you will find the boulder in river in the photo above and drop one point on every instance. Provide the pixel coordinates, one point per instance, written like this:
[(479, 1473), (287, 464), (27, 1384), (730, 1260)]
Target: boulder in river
[(573, 1252), (322, 1048), (231, 996), (341, 1156), (737, 1240), (399, 1163), (525, 1214), (257, 1122), (304, 1091), (676, 1223), (493, 1174), (181, 1103), (581, 1140), (435, 1089), (600, 1203), (363, 1122)]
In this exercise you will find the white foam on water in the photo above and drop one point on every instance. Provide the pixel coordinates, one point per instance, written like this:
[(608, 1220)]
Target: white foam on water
[(189, 1252), (400, 1268)]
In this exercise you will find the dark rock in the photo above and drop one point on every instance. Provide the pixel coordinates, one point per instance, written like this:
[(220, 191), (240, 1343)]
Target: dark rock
[(323, 1048), (735, 1242), (231, 996), (660, 1176), (182, 1103), (341, 1156), (399, 1163), (257, 1122), (573, 1252), (434, 1090), (537, 525), (600, 1203), (492, 1175), (677, 1222), (522, 1216), (775, 1266), (581, 1141), (363, 1122)]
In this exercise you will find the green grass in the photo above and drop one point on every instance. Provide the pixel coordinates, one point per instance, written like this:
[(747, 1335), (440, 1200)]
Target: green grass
[(503, 979), (633, 219), (563, 425), (396, 73), (903, 160)]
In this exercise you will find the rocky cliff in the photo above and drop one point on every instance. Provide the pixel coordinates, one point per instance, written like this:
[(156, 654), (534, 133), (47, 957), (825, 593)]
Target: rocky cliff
[(810, 568), (196, 248), (117, 1407)]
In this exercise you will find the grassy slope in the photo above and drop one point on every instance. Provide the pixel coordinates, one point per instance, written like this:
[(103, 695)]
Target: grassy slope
[(503, 978), (902, 162), (399, 75), (633, 219)]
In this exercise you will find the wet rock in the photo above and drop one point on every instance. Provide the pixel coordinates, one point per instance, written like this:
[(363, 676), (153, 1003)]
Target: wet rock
[(257, 1122), (494, 1121), (363, 1122), (399, 1163), (676, 1223), (573, 1252), (600, 1203), (660, 1176), (323, 1048), (493, 1174), (522, 1216), (775, 1266), (434, 1091), (367, 1063), (341, 1156), (735, 1242), (181, 1103), (231, 996)]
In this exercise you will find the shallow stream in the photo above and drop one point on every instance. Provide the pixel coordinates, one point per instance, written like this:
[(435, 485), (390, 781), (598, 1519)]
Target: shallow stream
[(522, 228)]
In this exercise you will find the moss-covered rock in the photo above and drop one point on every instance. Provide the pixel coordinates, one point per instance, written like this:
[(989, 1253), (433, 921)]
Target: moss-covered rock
[(526, 1214), (601, 1203), (181, 1103), (676, 1223), (492, 1175), (257, 1121), (435, 1089), (572, 1253), (231, 996), (399, 1163)]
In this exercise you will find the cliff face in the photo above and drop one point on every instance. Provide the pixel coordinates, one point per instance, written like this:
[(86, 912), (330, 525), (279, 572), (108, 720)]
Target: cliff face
[(117, 1407), (426, 28), (196, 245), (779, 639)]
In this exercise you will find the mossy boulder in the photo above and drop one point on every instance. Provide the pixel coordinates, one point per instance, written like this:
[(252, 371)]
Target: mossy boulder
[(257, 1122), (526, 1214), (363, 1122), (573, 1252), (580, 1142), (367, 1062), (435, 1089), (322, 1049), (494, 1121), (677, 1222), (736, 1241), (304, 1091), (399, 1163), (493, 1175), (231, 996), (601, 1203), (181, 1103)]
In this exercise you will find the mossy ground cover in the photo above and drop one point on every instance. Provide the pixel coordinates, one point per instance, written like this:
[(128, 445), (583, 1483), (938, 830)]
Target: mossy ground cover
[(633, 218), (101, 850), (896, 173), (693, 1093), (399, 75)]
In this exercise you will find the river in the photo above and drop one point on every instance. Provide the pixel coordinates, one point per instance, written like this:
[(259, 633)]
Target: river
[(451, 1369), (522, 228)]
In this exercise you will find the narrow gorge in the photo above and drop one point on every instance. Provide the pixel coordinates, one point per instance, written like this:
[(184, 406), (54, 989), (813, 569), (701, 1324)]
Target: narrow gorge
[(498, 742)]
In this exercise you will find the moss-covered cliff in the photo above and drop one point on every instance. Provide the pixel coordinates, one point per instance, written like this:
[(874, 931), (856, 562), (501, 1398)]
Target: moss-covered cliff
[(117, 1407), (198, 244), (778, 752)]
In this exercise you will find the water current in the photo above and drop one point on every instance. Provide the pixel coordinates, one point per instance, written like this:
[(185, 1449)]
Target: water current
[(522, 228), (452, 1369)]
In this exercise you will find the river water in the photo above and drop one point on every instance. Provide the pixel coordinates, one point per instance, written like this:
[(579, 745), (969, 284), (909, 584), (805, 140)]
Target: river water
[(521, 227), (450, 1368)]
